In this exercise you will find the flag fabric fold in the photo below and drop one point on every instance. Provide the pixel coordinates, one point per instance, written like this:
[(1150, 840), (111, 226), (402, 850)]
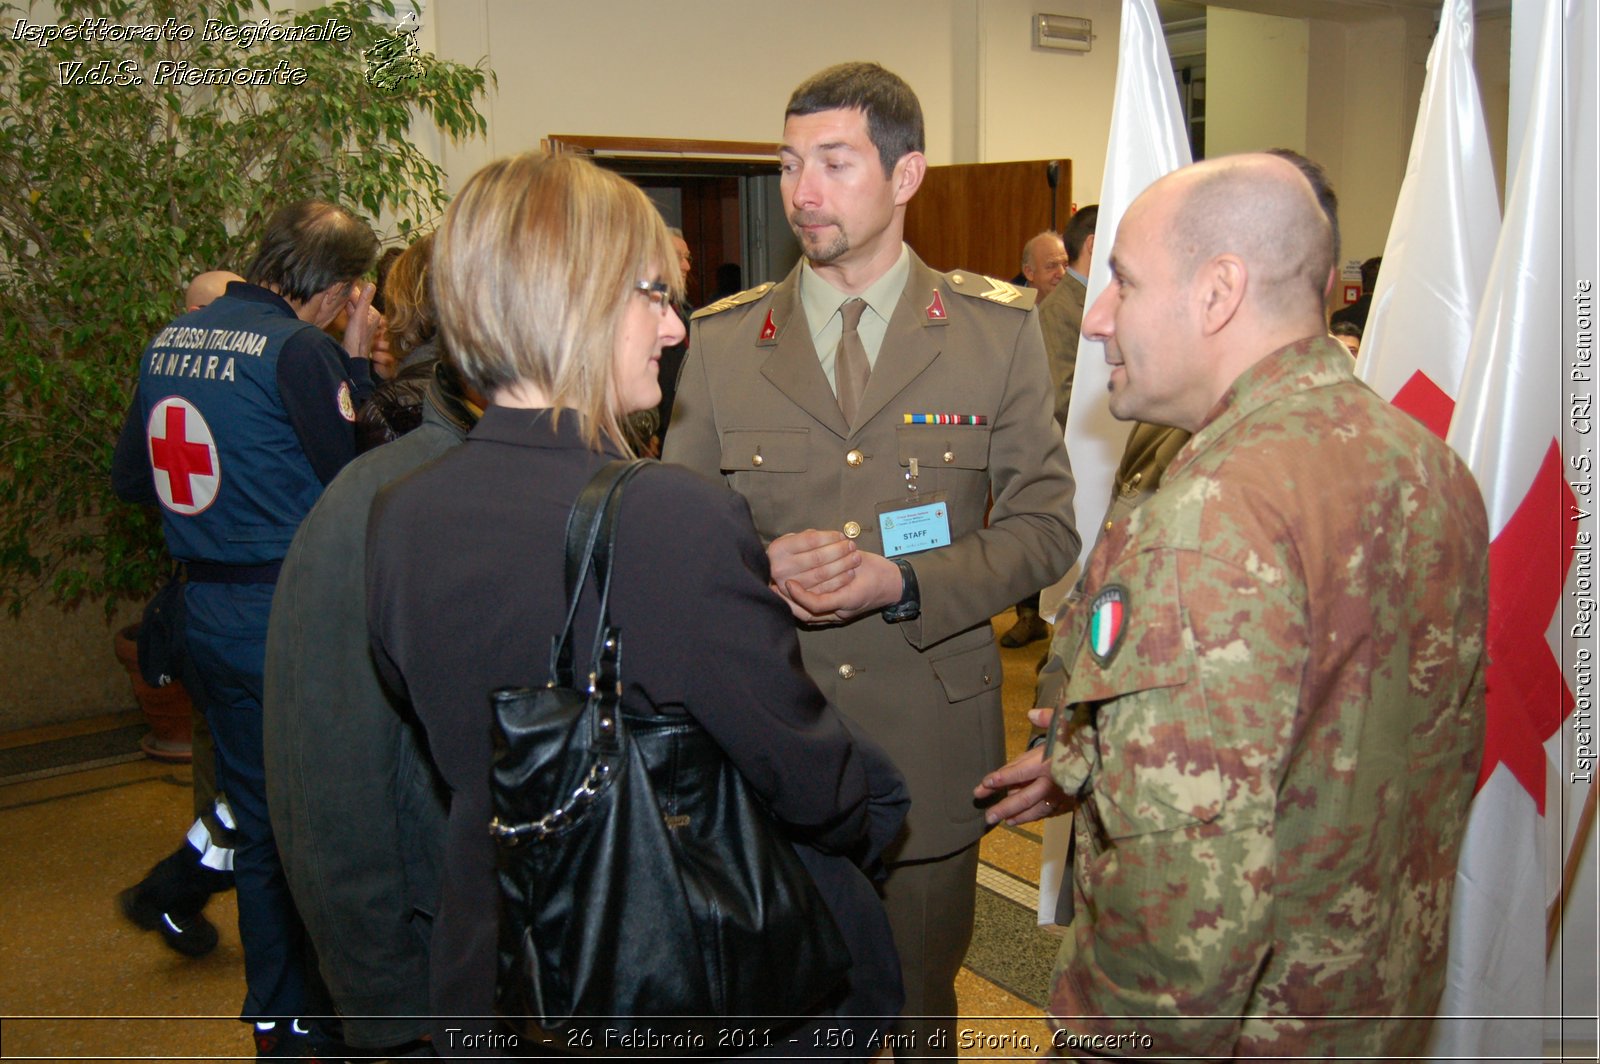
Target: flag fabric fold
[(1441, 240), (1506, 428)]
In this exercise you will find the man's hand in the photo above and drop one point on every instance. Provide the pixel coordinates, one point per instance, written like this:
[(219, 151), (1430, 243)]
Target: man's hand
[(818, 561), (1030, 792), (870, 583), (363, 322)]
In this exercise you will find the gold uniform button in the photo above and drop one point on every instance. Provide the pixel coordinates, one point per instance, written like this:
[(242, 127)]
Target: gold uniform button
[(756, 460), (854, 458), (847, 671), (1138, 477), (851, 530), (949, 456), (1109, 524), (957, 278)]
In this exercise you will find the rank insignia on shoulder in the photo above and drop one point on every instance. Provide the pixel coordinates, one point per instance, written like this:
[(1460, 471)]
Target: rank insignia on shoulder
[(994, 290), (1108, 616), (738, 299)]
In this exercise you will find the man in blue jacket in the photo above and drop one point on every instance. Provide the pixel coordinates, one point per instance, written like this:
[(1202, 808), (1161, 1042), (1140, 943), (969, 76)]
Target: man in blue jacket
[(245, 409)]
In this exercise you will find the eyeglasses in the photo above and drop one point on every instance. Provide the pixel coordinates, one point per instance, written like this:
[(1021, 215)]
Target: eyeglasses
[(657, 292)]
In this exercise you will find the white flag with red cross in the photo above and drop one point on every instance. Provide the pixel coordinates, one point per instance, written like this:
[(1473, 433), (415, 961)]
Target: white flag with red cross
[(1441, 240), (1507, 428)]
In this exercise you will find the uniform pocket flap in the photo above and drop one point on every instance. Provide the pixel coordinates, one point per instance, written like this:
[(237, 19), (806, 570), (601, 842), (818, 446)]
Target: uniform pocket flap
[(936, 446), (1158, 768), (1132, 632), (765, 450), (970, 672)]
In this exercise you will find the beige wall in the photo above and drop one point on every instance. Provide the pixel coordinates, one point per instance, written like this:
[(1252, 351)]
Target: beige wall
[(711, 69), (1345, 92), (1491, 57), (1256, 81), (1041, 104), (58, 666), (701, 69)]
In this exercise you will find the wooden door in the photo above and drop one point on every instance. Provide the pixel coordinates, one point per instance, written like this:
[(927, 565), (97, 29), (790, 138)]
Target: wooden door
[(709, 209), (977, 216)]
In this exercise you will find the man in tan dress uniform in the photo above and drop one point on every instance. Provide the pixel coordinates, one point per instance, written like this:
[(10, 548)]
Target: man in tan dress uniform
[(956, 405)]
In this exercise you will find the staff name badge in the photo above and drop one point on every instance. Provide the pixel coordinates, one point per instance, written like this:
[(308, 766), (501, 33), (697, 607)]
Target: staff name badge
[(909, 529)]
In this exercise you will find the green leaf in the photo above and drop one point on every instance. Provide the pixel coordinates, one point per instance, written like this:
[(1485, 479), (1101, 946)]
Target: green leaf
[(111, 200)]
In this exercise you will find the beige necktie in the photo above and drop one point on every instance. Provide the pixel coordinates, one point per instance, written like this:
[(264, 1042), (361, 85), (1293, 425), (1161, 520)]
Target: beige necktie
[(850, 366)]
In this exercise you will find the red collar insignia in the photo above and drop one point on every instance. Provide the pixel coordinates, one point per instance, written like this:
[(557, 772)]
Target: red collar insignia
[(769, 330), (935, 310)]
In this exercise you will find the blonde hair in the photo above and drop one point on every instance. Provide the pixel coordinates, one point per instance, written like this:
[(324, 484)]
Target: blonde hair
[(409, 314), (532, 270)]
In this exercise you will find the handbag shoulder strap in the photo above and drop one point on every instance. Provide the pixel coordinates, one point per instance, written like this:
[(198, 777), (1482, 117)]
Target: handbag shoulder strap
[(591, 531)]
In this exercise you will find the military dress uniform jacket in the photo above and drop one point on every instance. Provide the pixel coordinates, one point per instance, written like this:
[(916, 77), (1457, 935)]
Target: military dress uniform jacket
[(1275, 723), (1149, 450), (754, 406), (1061, 323)]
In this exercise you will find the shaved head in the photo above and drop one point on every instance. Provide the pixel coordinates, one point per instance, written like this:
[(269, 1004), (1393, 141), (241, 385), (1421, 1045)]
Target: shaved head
[(1260, 208), (207, 287), (1214, 267)]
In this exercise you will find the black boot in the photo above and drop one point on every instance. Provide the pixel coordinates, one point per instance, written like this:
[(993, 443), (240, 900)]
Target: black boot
[(1030, 628), (170, 899)]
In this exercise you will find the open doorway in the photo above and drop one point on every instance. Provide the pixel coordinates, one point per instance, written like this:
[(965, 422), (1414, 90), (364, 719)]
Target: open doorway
[(723, 195)]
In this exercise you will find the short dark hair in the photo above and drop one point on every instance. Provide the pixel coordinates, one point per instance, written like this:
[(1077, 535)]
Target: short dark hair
[(311, 246), (1345, 328), (1080, 227), (1327, 199), (894, 116), (1369, 273)]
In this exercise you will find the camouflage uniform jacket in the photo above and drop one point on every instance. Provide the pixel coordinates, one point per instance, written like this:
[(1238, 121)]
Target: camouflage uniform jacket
[(1274, 721)]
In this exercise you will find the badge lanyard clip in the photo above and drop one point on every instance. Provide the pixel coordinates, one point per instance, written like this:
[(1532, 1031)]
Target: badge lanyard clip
[(911, 477)]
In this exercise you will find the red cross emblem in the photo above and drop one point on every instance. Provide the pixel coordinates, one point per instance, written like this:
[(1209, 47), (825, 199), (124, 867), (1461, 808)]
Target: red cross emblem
[(183, 455)]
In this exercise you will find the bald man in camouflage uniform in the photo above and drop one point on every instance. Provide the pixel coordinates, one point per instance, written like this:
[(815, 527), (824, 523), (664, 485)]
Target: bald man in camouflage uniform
[(1274, 718)]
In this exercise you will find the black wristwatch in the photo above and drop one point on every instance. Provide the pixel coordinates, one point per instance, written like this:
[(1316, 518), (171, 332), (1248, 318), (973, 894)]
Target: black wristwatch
[(909, 608)]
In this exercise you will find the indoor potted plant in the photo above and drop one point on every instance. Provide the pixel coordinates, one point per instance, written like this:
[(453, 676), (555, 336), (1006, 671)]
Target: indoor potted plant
[(118, 185)]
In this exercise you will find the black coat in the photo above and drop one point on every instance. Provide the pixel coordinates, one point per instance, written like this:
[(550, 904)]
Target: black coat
[(357, 810), (464, 593)]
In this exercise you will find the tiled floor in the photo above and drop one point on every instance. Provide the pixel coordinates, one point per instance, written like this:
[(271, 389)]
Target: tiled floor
[(78, 982)]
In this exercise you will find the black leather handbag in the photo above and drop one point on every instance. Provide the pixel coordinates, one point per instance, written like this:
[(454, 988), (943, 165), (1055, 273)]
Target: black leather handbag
[(639, 874)]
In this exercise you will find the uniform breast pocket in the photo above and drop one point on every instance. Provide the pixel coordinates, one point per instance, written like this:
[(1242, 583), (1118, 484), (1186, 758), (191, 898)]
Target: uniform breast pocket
[(764, 450), (947, 456), (762, 465), (1157, 767)]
